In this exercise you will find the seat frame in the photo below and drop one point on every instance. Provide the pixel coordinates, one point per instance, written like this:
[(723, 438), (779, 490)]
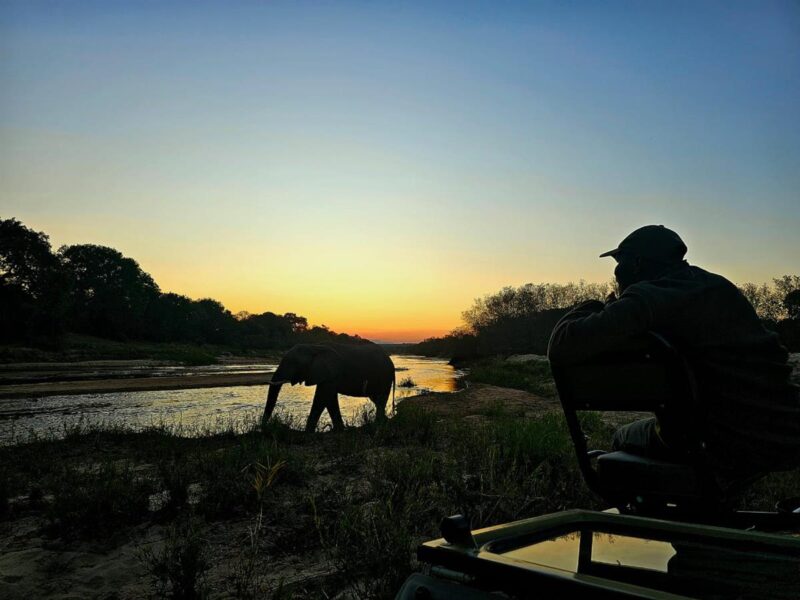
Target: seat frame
[(651, 375)]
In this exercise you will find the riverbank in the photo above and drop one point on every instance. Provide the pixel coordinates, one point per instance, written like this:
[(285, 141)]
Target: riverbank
[(119, 514), (108, 513), (72, 348), (137, 384), (38, 379)]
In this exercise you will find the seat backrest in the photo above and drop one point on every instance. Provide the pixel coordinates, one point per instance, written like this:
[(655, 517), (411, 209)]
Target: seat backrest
[(652, 376), (647, 378)]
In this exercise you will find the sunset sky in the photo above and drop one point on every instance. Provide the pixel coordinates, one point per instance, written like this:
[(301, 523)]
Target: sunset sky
[(377, 166)]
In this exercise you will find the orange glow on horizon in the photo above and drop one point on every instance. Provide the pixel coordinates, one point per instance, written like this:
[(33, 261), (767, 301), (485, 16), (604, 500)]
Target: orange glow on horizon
[(401, 336), (401, 293)]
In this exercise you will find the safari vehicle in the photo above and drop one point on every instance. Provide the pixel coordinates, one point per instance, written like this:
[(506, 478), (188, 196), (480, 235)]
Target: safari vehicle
[(669, 531)]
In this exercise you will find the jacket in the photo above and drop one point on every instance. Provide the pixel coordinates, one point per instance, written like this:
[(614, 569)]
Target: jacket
[(750, 408)]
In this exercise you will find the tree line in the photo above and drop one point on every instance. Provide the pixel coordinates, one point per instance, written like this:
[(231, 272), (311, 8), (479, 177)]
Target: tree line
[(95, 290), (519, 320)]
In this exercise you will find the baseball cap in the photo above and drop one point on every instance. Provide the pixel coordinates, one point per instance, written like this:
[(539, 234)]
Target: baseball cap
[(655, 242)]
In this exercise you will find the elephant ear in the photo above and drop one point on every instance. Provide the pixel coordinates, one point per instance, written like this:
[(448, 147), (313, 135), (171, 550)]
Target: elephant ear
[(325, 367)]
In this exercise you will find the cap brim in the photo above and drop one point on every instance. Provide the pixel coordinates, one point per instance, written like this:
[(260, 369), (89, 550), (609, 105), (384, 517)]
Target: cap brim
[(613, 252)]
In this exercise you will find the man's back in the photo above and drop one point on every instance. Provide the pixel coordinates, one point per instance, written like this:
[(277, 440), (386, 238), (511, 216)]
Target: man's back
[(752, 411)]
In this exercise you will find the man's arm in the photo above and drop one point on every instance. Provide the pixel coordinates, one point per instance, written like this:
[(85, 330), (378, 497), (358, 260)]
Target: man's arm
[(594, 328)]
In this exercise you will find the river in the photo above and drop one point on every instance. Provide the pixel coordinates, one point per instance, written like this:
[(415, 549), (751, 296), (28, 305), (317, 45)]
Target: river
[(204, 410)]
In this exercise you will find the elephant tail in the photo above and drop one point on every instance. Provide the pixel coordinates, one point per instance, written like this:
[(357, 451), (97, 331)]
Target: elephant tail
[(394, 379)]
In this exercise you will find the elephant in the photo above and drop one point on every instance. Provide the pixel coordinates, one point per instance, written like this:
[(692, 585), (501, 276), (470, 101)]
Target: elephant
[(361, 370)]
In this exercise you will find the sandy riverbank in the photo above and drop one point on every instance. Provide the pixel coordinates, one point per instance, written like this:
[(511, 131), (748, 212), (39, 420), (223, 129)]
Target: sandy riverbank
[(292, 548), (138, 384), (343, 511), (34, 380)]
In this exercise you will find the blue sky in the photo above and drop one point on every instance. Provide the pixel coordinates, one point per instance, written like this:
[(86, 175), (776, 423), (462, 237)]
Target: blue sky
[(376, 166)]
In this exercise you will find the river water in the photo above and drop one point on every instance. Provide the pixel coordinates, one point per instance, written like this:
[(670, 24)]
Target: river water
[(204, 410)]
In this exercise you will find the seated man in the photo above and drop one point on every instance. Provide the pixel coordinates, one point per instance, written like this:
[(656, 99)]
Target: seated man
[(750, 413)]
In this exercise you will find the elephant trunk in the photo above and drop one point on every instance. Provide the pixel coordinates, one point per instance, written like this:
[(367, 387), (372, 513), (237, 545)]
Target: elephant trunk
[(272, 400), (278, 379)]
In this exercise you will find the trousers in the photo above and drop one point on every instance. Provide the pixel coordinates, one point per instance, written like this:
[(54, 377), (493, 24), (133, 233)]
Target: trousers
[(644, 438)]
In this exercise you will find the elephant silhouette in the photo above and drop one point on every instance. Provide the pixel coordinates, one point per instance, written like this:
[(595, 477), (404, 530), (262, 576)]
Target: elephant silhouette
[(361, 370)]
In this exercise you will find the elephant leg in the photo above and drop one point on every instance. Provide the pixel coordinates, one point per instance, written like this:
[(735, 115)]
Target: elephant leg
[(321, 400), (380, 401), (334, 412)]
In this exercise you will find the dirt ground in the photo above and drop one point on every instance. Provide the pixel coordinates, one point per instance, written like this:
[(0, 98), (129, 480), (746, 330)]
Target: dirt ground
[(479, 400), (179, 382), (33, 565), (26, 380)]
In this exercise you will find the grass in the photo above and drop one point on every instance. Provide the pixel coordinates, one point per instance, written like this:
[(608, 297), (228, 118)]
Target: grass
[(4, 492), (95, 502), (75, 347), (356, 502), (177, 570), (775, 486), (371, 492), (247, 581), (407, 382), (533, 376)]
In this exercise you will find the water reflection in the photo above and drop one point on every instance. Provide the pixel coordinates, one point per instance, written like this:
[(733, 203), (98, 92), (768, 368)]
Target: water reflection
[(563, 552), (704, 569), (207, 408)]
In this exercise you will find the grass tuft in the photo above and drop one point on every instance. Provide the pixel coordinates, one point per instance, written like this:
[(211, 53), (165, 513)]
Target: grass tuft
[(94, 502), (178, 568), (533, 376), (355, 504), (407, 382)]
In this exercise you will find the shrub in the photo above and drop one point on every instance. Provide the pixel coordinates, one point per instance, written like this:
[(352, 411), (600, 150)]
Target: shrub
[(533, 376), (176, 475), (234, 479), (4, 493), (93, 502), (371, 547), (412, 425), (178, 569), (407, 383)]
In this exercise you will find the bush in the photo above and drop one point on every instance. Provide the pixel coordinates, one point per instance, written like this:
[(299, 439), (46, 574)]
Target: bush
[(533, 376), (235, 479), (372, 548), (4, 493), (90, 503), (411, 425), (178, 569)]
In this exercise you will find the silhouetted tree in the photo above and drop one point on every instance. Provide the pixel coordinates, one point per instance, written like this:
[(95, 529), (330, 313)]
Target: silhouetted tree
[(169, 319), (211, 322), (299, 324), (789, 328), (266, 330), (109, 293), (520, 320), (792, 304), (32, 284), (457, 345), (777, 306), (96, 290)]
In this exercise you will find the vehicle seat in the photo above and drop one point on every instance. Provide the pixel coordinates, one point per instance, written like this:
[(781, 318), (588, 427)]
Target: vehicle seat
[(652, 377)]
